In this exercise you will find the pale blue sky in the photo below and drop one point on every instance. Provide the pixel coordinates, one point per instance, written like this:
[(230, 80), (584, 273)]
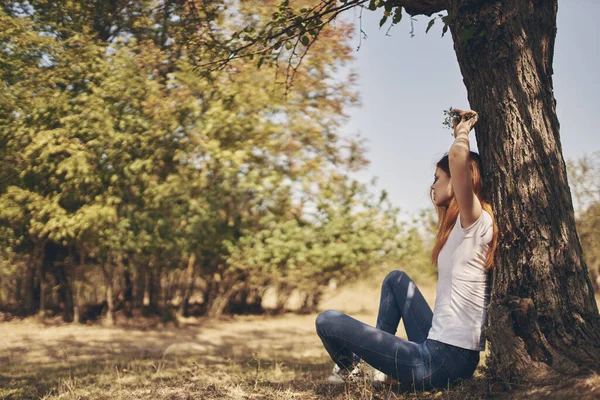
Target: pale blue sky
[(405, 84)]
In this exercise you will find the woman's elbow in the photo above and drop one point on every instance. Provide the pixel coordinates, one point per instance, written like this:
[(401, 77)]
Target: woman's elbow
[(458, 153)]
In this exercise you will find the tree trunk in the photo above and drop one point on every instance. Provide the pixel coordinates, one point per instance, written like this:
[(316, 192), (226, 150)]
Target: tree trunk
[(41, 276), (247, 300), (110, 302), (18, 290), (189, 285), (221, 300), (29, 288), (42, 282), (543, 319), (56, 261), (110, 306), (78, 285), (127, 292), (311, 301), (65, 292), (76, 302), (139, 287), (32, 287), (283, 295), (154, 288)]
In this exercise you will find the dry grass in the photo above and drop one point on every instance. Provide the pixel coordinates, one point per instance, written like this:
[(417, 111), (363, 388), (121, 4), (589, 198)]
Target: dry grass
[(237, 358)]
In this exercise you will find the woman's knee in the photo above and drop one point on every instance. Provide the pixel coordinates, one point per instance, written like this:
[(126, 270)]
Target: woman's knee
[(395, 276), (327, 318)]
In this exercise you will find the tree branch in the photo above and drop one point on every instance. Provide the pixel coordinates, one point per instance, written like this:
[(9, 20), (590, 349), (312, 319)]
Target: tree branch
[(422, 7)]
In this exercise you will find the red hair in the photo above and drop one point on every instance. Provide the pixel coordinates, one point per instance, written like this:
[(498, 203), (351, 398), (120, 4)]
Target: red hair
[(447, 215)]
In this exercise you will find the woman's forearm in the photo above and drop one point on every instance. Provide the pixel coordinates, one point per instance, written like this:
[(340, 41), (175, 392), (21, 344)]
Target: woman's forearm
[(460, 148)]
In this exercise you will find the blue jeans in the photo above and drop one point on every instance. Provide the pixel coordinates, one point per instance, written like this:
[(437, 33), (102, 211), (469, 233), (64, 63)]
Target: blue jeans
[(418, 361)]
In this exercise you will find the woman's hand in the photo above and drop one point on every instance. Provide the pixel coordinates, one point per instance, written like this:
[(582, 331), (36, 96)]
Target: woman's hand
[(463, 121)]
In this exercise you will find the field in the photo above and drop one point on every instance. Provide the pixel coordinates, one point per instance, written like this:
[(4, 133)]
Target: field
[(254, 357)]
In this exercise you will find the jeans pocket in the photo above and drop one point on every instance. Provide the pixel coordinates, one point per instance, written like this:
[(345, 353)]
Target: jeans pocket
[(462, 362), (436, 368)]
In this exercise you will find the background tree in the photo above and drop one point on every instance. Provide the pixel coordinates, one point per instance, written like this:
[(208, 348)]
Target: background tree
[(130, 183), (583, 179), (544, 320)]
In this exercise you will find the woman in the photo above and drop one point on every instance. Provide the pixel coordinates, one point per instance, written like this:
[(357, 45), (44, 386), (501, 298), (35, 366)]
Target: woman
[(444, 346)]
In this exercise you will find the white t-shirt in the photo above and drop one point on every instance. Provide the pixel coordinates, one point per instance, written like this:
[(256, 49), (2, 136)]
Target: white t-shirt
[(462, 295)]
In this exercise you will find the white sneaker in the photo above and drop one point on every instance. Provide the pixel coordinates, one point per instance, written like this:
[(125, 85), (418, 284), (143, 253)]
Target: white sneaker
[(361, 371), (338, 376), (374, 376)]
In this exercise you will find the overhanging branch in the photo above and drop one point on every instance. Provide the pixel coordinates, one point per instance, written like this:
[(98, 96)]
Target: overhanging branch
[(291, 30), (423, 7)]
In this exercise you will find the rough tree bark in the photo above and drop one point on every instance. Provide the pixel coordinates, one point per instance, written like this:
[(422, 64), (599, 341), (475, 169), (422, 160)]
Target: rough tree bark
[(543, 319)]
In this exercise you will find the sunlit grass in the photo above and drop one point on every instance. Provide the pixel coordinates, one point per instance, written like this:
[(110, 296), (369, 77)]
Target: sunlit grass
[(235, 358), (187, 377)]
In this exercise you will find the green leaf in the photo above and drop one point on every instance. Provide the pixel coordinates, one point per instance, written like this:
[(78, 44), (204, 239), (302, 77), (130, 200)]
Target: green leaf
[(397, 15), (444, 30), (447, 19), (383, 20), (429, 25)]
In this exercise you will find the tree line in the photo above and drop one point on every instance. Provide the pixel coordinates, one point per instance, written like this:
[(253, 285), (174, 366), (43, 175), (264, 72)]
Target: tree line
[(131, 181)]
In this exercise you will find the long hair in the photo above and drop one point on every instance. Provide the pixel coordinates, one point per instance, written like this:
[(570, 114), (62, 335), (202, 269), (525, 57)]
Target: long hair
[(447, 215)]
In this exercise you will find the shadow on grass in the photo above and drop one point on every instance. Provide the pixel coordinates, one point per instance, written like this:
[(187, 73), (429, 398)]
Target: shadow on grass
[(259, 358), (27, 382), (140, 358)]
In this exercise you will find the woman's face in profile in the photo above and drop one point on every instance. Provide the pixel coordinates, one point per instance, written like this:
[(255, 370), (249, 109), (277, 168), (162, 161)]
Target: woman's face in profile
[(441, 189)]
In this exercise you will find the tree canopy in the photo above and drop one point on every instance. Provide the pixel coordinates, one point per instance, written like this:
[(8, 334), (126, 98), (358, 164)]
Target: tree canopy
[(130, 176)]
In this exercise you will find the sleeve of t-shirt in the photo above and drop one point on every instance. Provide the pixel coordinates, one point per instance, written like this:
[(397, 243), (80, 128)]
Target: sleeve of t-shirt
[(479, 227)]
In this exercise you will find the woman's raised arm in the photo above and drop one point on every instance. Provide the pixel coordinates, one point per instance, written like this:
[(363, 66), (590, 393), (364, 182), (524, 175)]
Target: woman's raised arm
[(458, 157)]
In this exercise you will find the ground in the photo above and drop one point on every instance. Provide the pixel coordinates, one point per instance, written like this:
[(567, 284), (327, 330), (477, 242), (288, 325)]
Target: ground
[(252, 357)]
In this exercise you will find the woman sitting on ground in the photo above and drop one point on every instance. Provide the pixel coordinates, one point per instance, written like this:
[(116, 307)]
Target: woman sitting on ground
[(442, 346)]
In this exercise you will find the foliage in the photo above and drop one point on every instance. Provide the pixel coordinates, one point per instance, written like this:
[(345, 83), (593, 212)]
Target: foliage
[(287, 31), (128, 176), (583, 178)]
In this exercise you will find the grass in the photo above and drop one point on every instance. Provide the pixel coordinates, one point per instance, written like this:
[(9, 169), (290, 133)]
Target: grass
[(235, 358), (226, 371)]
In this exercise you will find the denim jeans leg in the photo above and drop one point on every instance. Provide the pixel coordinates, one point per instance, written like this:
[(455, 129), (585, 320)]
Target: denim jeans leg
[(401, 299), (344, 336), (328, 324)]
